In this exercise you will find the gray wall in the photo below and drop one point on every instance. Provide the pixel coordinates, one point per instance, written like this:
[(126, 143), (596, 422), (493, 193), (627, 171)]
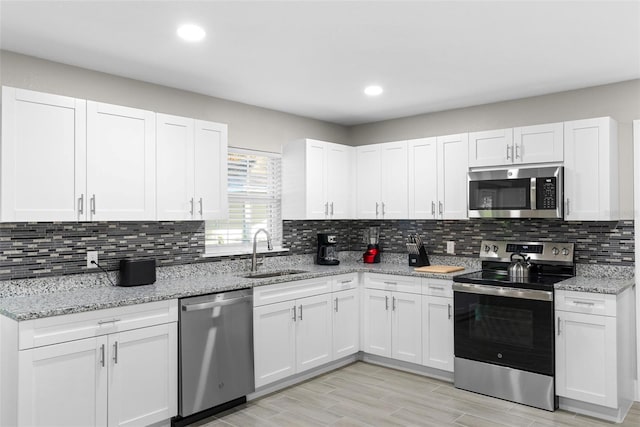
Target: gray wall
[(249, 126), (618, 100)]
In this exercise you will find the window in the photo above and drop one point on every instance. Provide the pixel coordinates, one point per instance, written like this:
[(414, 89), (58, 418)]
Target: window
[(254, 203)]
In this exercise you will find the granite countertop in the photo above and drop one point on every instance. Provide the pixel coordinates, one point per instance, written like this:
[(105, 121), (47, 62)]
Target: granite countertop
[(595, 284), (78, 300)]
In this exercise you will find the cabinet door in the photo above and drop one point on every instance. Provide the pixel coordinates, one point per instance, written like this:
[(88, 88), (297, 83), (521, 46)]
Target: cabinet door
[(437, 332), (394, 192), (346, 323), (368, 182), (314, 335), (538, 144), (210, 170), (406, 336), (586, 364), (423, 178), (377, 322), (143, 375), (174, 163), (452, 177), (316, 179), (64, 384), (491, 148), (43, 157), (340, 179), (121, 161), (274, 342), (590, 179)]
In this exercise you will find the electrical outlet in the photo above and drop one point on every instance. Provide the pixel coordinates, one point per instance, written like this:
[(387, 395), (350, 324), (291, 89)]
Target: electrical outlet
[(451, 247), (92, 256)]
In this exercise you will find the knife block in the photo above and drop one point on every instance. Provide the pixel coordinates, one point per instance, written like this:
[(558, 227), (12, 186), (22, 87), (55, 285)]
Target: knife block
[(421, 259)]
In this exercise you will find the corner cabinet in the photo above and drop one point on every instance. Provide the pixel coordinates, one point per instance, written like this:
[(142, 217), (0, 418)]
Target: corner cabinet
[(591, 172), (382, 180), (594, 348), (113, 367), (520, 145), (191, 169), (438, 177), (317, 180)]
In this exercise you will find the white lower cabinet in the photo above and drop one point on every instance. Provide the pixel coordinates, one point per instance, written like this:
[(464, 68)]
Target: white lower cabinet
[(122, 377), (392, 324), (346, 323), (294, 335), (437, 332)]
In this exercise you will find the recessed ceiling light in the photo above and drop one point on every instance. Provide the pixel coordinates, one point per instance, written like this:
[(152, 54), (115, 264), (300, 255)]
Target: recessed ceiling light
[(191, 32), (373, 90)]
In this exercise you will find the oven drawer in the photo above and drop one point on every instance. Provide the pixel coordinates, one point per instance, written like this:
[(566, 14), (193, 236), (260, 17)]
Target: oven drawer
[(387, 282), (586, 302)]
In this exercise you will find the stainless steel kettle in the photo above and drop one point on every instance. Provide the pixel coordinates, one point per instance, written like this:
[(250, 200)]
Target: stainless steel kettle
[(519, 269)]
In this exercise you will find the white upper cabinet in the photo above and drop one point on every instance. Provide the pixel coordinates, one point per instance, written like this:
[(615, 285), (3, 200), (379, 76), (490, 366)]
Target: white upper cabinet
[(191, 168), (438, 177), (382, 181), (121, 163), (528, 144), (43, 158), (317, 180), (591, 173)]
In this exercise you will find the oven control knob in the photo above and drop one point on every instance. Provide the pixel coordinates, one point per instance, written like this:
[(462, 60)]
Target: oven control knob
[(555, 251), (499, 355), (487, 248), (495, 248), (565, 251)]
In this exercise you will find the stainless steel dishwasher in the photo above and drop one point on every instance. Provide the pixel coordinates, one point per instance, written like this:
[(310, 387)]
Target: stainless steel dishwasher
[(216, 351)]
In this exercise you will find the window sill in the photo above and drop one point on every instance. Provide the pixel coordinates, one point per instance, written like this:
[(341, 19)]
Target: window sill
[(237, 252)]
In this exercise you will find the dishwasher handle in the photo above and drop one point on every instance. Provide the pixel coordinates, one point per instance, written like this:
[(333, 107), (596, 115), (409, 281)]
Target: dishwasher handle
[(211, 304)]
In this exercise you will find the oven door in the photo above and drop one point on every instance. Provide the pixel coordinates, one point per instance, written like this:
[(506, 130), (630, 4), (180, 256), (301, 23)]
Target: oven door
[(504, 326)]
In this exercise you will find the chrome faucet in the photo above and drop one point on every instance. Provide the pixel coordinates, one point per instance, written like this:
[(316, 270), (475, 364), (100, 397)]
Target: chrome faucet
[(254, 261)]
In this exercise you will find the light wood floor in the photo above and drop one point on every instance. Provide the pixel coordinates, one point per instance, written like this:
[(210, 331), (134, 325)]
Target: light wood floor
[(362, 394)]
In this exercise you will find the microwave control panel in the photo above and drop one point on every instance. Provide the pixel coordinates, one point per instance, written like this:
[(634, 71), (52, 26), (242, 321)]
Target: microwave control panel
[(546, 193)]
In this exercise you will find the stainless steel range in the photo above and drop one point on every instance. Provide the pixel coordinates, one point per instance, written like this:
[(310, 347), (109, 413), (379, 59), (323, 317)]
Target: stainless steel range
[(504, 323)]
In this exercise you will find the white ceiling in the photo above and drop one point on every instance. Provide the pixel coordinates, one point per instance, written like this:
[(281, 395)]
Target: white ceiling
[(313, 58)]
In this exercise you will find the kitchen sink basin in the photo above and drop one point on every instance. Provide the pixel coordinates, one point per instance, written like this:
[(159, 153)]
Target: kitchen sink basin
[(268, 274)]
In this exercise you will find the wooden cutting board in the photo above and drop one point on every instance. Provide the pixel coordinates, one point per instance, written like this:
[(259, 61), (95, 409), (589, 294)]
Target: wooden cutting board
[(438, 269)]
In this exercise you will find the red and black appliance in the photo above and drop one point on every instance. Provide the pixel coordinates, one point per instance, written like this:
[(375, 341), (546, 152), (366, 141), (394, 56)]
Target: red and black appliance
[(371, 238)]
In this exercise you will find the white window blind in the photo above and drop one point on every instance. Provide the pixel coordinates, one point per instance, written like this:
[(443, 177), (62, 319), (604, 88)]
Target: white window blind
[(254, 203)]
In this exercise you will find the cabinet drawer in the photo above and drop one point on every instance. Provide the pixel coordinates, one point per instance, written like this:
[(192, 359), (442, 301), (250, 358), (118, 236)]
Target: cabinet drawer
[(270, 294), (586, 302), (387, 282), (344, 282), (57, 329), (437, 287)]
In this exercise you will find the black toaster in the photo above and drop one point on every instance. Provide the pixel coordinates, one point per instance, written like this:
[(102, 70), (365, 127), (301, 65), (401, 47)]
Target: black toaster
[(135, 272)]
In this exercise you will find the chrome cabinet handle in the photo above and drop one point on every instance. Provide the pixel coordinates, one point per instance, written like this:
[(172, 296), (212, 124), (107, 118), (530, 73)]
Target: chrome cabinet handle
[(449, 311), (294, 313), (103, 322), (336, 308), (587, 303), (102, 355), (115, 352), (393, 303), (300, 312), (326, 209), (376, 209), (517, 155), (386, 303), (433, 208), (440, 208), (567, 210), (440, 288), (390, 283), (558, 325), (81, 205), (331, 208), (201, 207), (93, 204), (346, 282), (192, 208), (508, 146), (383, 209)]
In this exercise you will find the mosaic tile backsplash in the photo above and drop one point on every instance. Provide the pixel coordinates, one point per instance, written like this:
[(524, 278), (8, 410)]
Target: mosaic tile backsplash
[(52, 249)]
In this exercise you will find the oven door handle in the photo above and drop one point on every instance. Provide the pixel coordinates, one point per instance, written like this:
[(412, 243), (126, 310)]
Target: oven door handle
[(499, 291)]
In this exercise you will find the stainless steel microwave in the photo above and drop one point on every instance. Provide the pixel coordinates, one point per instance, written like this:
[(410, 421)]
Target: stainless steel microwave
[(516, 193)]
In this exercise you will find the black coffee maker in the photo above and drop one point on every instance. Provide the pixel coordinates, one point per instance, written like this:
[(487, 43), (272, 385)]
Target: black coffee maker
[(327, 250)]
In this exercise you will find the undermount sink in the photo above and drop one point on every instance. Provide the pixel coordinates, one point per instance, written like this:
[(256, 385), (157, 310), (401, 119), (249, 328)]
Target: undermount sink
[(272, 274)]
